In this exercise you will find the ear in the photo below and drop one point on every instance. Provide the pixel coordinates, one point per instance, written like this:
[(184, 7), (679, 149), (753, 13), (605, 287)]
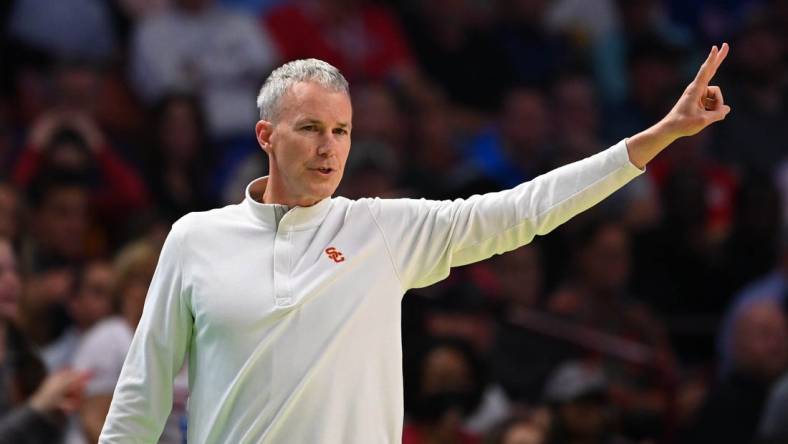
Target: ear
[(263, 130)]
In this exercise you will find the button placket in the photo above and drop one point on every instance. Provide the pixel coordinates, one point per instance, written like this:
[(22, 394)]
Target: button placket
[(282, 252)]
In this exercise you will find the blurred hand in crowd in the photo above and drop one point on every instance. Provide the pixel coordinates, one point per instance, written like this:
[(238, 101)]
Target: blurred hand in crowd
[(48, 125), (61, 392), (50, 287)]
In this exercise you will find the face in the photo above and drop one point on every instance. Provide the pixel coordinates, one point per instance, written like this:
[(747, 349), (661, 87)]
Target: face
[(378, 116), (761, 341), (63, 221), (307, 146), (606, 260), (78, 88), (525, 134), (520, 275), (180, 135), (445, 369), (93, 301)]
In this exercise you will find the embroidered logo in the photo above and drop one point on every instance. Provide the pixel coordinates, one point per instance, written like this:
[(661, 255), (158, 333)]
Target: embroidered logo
[(334, 254)]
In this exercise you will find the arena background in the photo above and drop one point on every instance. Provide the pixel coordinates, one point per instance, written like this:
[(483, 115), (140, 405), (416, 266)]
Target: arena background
[(657, 317)]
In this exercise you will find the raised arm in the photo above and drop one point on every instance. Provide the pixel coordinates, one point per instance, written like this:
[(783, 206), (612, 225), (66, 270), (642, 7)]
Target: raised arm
[(143, 396), (427, 238)]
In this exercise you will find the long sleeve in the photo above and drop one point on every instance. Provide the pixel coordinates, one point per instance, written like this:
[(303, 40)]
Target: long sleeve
[(143, 396), (426, 238)]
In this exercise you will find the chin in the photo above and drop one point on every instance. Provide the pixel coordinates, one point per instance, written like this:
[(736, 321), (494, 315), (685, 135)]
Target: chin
[(316, 195)]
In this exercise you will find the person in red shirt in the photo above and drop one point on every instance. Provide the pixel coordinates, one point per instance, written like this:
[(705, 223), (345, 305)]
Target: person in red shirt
[(74, 142), (364, 41)]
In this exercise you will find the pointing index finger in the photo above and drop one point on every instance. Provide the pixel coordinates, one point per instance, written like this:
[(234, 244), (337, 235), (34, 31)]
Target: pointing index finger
[(721, 56), (709, 67)]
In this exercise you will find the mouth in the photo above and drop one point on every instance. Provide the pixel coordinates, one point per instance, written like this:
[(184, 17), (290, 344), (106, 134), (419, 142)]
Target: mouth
[(323, 170)]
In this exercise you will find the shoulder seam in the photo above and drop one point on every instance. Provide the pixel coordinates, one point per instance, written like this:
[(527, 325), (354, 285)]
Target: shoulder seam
[(388, 247)]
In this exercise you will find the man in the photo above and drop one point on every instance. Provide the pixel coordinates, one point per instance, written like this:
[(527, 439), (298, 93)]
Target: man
[(288, 304)]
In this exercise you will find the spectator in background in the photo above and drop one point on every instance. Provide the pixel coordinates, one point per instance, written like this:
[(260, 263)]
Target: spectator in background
[(99, 92), (64, 29), (675, 263), (720, 184), (180, 158), (362, 40), (379, 149), (360, 37), (577, 118), (753, 247), (654, 78), (90, 302), (756, 140), (455, 45), (596, 296), (372, 171), (771, 287), (523, 356), (32, 405), (434, 165), (759, 352), (103, 348), (594, 28), (576, 112), (447, 386), (379, 116), (60, 221), (206, 49), (534, 53), (72, 144), (582, 409), (516, 149)]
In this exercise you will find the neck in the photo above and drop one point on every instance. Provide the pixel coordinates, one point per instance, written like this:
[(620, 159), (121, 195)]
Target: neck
[(275, 193), (271, 197)]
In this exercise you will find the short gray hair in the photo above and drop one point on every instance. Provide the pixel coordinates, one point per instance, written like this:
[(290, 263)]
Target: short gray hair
[(283, 78)]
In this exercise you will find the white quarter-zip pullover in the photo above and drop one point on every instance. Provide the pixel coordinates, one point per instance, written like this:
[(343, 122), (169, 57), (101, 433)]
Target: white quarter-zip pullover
[(291, 317)]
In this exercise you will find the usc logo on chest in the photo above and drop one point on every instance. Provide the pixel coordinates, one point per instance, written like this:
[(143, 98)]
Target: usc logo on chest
[(334, 254)]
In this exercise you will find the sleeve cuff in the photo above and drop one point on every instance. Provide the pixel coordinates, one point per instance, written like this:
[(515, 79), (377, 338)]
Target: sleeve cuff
[(622, 153)]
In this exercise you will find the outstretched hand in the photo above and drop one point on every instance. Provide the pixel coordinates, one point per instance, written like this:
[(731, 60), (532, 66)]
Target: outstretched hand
[(701, 104)]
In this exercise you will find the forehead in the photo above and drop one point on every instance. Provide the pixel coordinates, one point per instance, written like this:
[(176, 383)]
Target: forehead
[(311, 100)]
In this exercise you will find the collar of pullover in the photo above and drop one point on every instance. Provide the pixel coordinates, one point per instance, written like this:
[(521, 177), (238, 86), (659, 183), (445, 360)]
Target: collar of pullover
[(281, 216)]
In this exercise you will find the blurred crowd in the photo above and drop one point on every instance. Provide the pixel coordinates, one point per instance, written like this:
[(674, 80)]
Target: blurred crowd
[(657, 317)]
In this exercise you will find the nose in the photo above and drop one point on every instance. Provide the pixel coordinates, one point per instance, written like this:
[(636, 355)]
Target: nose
[(327, 146)]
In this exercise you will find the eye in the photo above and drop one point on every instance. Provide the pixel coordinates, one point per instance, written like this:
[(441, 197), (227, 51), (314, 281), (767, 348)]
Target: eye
[(340, 131), (309, 127)]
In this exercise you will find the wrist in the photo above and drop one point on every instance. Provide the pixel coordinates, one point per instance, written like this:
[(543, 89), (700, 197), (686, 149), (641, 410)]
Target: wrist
[(666, 130)]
